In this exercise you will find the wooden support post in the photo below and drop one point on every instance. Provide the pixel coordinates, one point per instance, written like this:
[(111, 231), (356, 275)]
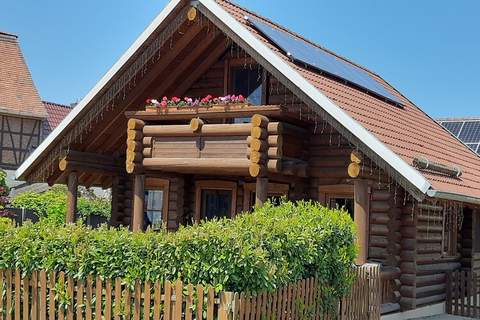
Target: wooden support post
[(361, 209), (261, 191), (138, 199), (72, 197)]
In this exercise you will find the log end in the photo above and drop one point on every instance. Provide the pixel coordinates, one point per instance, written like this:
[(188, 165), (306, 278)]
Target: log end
[(257, 170), (259, 120), (259, 133), (62, 164), (135, 124), (196, 124)]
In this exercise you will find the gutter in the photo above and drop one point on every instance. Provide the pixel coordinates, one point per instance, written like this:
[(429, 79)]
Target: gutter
[(453, 196)]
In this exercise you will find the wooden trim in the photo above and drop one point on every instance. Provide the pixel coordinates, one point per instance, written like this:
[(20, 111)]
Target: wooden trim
[(273, 189), (327, 191), (152, 183), (214, 185)]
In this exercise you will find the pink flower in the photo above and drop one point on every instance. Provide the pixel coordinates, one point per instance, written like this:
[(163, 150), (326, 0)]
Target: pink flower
[(148, 101), (241, 98), (165, 99), (163, 103)]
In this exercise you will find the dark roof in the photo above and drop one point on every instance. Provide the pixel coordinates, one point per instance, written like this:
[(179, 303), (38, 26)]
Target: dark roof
[(407, 131), (18, 95)]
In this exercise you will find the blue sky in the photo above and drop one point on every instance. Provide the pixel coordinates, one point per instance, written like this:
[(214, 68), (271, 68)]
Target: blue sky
[(428, 49)]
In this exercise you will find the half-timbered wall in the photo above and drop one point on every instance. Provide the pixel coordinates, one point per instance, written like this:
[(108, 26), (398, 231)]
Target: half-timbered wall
[(19, 136)]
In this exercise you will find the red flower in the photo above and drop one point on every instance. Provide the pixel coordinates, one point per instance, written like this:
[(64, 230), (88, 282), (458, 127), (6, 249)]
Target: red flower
[(148, 101), (241, 98), (176, 99)]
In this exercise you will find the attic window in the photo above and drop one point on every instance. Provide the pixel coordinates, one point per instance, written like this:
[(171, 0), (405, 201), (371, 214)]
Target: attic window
[(247, 82)]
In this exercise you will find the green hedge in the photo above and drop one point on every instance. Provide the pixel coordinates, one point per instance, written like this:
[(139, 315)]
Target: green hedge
[(254, 252), (53, 203)]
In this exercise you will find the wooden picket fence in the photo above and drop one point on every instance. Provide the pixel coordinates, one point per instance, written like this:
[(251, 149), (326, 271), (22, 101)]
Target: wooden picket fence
[(463, 294), (42, 296)]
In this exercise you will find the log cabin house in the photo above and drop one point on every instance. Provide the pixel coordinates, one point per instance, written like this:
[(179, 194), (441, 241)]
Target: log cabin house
[(317, 126)]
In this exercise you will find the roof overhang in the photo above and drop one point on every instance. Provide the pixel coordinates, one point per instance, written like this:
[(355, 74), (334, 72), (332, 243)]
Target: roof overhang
[(442, 195), (415, 181), (79, 109), (239, 32)]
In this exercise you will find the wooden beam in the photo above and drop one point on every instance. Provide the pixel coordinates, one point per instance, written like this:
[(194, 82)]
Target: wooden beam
[(361, 216), (138, 202), (72, 197), (234, 129), (212, 57), (261, 191), (198, 165), (187, 62)]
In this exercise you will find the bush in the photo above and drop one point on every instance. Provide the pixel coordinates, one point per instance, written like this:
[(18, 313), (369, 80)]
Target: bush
[(53, 204), (254, 252), (4, 191)]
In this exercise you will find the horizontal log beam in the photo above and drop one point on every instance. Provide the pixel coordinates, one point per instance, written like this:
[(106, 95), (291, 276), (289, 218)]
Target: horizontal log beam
[(198, 165), (69, 166), (234, 129)]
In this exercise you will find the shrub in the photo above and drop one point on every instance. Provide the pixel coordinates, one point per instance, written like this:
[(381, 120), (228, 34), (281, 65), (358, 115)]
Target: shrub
[(4, 191), (53, 204), (254, 252)]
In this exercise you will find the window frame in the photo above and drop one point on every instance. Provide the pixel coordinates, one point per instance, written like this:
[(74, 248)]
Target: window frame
[(201, 185), (160, 184), (326, 192), (274, 189)]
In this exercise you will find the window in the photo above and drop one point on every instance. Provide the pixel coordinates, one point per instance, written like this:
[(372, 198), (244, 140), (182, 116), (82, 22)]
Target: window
[(341, 202), (275, 192), (451, 217), (156, 202), (247, 82), (214, 198), (337, 196)]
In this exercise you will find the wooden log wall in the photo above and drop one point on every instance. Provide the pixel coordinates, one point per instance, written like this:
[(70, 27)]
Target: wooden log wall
[(134, 154), (121, 201), (176, 196), (465, 240)]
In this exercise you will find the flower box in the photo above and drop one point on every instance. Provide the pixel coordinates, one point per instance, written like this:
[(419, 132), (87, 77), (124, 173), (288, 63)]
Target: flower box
[(188, 104)]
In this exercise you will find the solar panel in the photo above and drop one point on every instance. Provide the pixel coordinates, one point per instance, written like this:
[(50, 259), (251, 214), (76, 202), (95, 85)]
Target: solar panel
[(470, 132), (301, 51), (453, 127), (467, 131)]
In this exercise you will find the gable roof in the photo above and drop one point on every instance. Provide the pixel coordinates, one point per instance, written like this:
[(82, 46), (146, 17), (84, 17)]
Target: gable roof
[(55, 114), (18, 95), (394, 136)]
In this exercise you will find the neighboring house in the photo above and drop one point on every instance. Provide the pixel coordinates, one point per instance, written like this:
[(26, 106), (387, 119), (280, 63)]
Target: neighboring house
[(337, 133), (24, 120), (466, 130)]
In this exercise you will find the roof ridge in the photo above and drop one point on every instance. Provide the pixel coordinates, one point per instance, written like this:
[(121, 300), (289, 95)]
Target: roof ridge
[(302, 37), (8, 36), (56, 104)]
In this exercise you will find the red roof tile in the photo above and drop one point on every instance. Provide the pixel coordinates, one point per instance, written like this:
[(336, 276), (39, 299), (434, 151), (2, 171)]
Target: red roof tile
[(407, 131), (56, 113), (18, 94)]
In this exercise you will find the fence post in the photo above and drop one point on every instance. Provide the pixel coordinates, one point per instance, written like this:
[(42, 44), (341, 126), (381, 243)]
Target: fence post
[(226, 307), (449, 293)]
